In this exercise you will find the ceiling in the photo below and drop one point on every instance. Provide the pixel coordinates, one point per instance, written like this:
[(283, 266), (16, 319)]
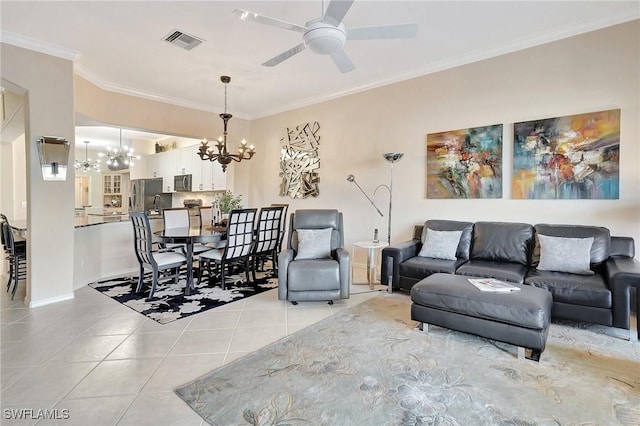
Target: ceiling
[(119, 45)]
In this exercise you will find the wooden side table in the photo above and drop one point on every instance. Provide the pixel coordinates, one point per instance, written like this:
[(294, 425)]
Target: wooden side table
[(371, 258)]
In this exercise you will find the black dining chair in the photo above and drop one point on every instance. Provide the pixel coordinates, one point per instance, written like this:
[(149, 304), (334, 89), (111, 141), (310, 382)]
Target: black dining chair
[(283, 223), (155, 260), (16, 255), (267, 238), (237, 249)]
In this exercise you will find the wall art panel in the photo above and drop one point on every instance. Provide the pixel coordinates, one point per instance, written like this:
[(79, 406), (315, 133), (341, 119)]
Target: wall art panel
[(465, 163), (570, 157), (299, 161)]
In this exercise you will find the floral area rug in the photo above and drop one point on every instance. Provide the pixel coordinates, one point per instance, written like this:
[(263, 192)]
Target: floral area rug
[(368, 365), (169, 302)]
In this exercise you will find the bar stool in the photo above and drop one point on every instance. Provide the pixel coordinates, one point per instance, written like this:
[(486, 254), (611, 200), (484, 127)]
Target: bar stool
[(17, 256)]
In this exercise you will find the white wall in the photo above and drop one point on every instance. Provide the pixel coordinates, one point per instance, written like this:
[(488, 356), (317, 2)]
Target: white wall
[(590, 72), (48, 82)]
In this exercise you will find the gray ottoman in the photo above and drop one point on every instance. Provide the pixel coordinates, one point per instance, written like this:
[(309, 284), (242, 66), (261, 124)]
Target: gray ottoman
[(520, 318)]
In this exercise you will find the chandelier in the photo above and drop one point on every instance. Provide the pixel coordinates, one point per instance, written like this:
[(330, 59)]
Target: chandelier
[(120, 158), (88, 164), (222, 154)]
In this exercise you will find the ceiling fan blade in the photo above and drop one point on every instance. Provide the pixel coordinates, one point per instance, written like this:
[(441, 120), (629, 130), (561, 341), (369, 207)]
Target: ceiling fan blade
[(336, 10), (245, 15), (284, 55), (382, 32), (342, 61)]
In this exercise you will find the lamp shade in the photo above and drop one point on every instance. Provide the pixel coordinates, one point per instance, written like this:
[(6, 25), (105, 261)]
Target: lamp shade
[(53, 152)]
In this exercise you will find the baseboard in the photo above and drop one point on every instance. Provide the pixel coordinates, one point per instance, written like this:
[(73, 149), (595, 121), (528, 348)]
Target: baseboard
[(50, 300)]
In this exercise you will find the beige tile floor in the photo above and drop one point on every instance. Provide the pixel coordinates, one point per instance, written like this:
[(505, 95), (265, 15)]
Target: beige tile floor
[(104, 364)]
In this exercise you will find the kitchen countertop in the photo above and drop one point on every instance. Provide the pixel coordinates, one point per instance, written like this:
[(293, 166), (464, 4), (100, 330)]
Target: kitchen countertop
[(99, 219)]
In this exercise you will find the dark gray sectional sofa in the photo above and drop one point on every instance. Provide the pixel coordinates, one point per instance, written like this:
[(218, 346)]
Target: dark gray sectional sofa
[(511, 252)]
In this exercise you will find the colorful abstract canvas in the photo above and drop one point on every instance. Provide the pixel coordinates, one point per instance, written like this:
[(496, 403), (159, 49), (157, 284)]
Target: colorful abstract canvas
[(571, 157), (465, 163)]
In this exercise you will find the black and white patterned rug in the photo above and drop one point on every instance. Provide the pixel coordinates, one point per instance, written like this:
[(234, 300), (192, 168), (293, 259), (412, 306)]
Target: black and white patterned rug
[(169, 302)]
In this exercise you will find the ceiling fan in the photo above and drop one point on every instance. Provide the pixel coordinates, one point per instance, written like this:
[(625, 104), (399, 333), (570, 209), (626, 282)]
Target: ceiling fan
[(326, 35)]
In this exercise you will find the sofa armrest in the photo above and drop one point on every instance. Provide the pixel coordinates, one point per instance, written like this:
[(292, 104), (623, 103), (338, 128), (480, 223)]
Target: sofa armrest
[(622, 273), (622, 247), (394, 255), (284, 259), (342, 256)]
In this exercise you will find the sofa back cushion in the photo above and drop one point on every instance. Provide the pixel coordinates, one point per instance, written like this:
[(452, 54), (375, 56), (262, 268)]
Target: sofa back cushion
[(600, 248), (502, 242), (464, 246)]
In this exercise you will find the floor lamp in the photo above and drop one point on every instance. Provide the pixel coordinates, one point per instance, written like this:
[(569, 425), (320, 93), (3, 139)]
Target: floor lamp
[(391, 157)]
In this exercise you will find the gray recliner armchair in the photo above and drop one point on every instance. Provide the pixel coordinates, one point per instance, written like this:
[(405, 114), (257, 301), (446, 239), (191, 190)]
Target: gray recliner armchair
[(315, 265)]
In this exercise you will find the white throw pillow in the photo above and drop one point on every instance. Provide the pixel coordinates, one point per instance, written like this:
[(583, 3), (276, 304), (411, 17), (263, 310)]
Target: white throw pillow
[(314, 243), (440, 244), (560, 254)]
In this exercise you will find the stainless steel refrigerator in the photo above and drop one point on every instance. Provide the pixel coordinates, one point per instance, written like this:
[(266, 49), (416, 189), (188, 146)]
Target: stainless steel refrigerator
[(146, 196)]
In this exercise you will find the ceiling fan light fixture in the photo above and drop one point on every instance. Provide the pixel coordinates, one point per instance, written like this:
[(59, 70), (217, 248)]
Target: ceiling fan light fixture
[(324, 39)]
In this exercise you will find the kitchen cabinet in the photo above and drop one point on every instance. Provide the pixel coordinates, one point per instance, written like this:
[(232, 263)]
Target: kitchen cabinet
[(219, 177), (205, 175), (112, 191), (211, 177), (164, 165), (187, 164)]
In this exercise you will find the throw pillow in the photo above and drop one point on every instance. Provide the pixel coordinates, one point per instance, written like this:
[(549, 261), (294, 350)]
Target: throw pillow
[(314, 243), (440, 244), (560, 254)]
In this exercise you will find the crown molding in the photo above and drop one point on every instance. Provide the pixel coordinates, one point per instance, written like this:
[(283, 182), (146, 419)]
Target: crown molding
[(501, 49), (38, 46), (449, 63), (115, 88)]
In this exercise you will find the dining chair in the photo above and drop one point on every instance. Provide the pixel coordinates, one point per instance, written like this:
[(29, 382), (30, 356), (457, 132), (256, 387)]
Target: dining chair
[(178, 217), (238, 245), (283, 222), (16, 255), (267, 238), (206, 216), (154, 260)]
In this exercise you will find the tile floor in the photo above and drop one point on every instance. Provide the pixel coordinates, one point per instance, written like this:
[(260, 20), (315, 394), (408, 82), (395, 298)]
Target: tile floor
[(104, 364)]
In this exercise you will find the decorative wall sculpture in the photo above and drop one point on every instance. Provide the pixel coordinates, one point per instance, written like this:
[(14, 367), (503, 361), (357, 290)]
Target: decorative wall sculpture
[(465, 163), (299, 162), (571, 157)]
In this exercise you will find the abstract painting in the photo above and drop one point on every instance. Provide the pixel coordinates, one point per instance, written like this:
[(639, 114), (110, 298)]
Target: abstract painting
[(465, 163), (299, 161), (570, 157)]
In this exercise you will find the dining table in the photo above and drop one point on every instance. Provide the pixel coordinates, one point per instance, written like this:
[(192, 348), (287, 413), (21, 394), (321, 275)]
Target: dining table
[(207, 234)]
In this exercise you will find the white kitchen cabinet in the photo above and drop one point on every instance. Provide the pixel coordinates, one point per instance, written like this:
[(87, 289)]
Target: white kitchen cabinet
[(187, 164), (212, 178), (205, 175), (164, 165), (114, 192), (153, 166), (190, 163), (206, 171), (219, 177)]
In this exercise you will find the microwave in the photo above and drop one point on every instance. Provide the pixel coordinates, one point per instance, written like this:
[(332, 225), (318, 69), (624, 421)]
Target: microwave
[(182, 183)]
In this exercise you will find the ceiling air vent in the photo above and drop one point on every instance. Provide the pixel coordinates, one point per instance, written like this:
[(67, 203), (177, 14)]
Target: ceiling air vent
[(180, 39)]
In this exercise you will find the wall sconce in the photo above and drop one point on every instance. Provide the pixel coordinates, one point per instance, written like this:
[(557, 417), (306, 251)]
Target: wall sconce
[(54, 157)]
